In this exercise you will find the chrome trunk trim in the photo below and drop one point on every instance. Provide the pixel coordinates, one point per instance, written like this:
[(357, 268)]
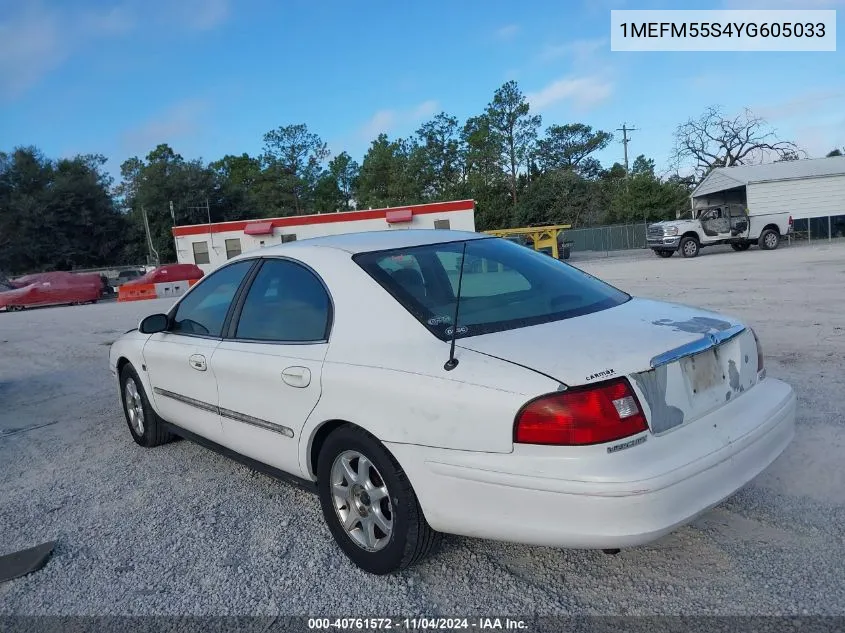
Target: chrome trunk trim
[(708, 341)]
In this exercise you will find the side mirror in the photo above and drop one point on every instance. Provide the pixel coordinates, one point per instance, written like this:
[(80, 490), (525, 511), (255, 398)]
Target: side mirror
[(153, 324)]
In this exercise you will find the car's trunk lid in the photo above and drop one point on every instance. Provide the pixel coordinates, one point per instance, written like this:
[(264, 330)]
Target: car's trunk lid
[(684, 362)]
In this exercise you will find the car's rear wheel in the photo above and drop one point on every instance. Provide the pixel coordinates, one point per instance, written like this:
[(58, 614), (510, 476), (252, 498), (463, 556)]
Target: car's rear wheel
[(741, 246), (369, 504), (146, 427), (769, 240), (664, 254), (689, 247)]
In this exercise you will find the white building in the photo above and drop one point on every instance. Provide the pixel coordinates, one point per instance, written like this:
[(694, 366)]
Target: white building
[(209, 245), (813, 188)]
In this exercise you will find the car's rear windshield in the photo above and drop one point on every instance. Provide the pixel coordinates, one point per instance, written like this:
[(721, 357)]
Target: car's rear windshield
[(505, 286)]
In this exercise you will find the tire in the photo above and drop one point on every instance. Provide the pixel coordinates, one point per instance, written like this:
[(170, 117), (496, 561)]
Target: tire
[(408, 537), (664, 254), (151, 431), (769, 240), (566, 252), (741, 246), (689, 247)]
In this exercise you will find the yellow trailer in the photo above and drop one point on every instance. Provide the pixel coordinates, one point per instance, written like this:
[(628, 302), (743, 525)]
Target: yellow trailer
[(543, 238)]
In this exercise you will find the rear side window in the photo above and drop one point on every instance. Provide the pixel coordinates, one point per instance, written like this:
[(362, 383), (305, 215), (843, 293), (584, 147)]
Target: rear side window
[(285, 303), (504, 286)]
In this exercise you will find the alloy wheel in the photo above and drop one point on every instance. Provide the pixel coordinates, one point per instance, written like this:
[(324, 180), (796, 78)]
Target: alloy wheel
[(361, 501), (134, 406)]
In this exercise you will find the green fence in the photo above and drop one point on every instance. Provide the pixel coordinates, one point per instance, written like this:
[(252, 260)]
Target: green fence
[(618, 237)]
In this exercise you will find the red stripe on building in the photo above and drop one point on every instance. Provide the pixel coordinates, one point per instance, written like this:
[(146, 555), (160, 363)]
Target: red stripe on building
[(323, 218)]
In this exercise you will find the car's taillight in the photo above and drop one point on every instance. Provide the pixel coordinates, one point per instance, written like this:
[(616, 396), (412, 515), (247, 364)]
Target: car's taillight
[(789, 230), (581, 415), (761, 369)]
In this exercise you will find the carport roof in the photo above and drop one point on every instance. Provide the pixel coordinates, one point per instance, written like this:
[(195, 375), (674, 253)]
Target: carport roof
[(723, 178)]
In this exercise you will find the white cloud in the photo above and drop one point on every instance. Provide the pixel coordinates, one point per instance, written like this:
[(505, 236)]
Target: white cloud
[(582, 92), (115, 21), (32, 44), (381, 121), (182, 120), (200, 15), (579, 50), (802, 106), (709, 82), (385, 121), (813, 120), (38, 38), (425, 109), (507, 32)]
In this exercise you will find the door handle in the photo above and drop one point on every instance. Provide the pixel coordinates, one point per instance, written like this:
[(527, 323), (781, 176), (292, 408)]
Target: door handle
[(197, 361), (297, 376)]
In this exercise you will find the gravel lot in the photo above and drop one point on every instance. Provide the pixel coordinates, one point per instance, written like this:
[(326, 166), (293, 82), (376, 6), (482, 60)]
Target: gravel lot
[(181, 530)]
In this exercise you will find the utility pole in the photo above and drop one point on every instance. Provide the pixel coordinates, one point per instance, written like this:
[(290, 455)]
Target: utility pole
[(208, 214), (625, 129), (153, 254), (172, 213)]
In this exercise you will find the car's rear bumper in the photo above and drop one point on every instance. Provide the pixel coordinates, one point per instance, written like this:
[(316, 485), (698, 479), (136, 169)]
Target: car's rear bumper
[(459, 497)]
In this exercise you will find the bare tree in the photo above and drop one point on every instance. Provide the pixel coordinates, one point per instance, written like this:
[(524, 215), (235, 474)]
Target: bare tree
[(715, 140)]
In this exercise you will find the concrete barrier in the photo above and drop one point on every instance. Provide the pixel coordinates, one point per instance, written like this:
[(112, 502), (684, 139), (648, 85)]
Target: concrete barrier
[(140, 292)]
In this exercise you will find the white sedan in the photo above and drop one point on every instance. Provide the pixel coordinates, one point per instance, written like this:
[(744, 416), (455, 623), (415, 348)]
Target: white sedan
[(430, 381)]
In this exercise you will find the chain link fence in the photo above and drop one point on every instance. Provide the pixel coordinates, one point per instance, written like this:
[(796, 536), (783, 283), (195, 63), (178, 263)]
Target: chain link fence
[(604, 239), (821, 229)]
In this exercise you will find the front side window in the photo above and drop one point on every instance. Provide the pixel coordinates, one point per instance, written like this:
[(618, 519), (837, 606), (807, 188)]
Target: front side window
[(285, 303), (204, 308), (505, 286), (201, 253)]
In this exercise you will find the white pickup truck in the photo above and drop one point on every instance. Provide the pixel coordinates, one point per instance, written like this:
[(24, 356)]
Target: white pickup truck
[(718, 224)]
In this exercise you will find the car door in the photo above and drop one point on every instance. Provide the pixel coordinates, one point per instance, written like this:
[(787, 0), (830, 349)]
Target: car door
[(177, 360), (716, 224), (739, 221), (269, 365)]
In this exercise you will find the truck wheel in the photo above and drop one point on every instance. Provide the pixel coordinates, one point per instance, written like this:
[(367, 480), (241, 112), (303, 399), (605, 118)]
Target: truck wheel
[(741, 246), (689, 247), (665, 254), (769, 240)]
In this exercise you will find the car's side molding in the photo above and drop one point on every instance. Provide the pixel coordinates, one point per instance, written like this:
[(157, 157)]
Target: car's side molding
[(226, 413)]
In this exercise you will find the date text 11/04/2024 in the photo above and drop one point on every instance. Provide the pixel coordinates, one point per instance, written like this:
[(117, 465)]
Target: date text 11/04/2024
[(413, 624)]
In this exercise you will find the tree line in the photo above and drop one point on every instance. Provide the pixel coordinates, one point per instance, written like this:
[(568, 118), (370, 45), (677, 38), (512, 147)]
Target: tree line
[(68, 213)]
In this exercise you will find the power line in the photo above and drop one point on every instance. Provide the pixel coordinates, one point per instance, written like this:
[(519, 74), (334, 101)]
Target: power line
[(625, 129)]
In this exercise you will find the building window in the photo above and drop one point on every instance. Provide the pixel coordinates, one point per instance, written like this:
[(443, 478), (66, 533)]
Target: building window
[(289, 238), (233, 248), (441, 224), (201, 253)]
